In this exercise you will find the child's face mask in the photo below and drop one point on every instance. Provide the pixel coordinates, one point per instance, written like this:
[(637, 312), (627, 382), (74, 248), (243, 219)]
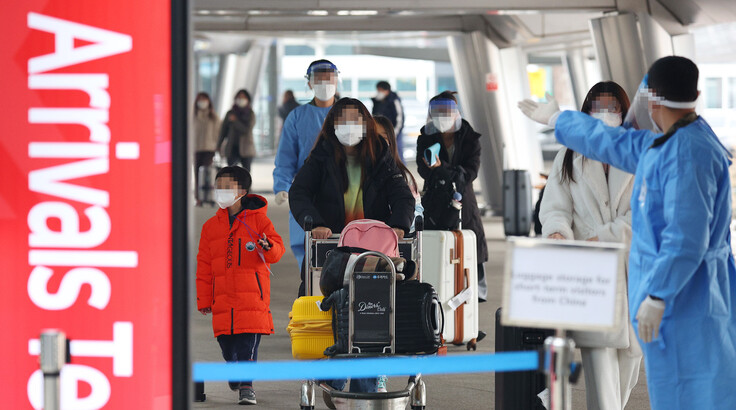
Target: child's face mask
[(225, 198)]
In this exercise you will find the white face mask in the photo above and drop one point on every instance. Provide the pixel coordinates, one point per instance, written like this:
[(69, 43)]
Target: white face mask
[(655, 127), (444, 124), (324, 92), (203, 104), (611, 119), (241, 102), (349, 135), (225, 198)]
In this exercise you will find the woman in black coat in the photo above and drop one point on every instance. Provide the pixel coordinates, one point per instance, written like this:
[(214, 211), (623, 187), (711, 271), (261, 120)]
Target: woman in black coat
[(350, 163), (350, 174), (458, 161)]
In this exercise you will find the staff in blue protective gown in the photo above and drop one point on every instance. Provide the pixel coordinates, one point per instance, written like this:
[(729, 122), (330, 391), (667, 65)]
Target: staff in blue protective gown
[(682, 277), (298, 135)]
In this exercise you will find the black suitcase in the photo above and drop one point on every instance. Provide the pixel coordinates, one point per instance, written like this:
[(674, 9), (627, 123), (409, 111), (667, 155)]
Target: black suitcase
[(519, 390), (517, 202), (419, 318)]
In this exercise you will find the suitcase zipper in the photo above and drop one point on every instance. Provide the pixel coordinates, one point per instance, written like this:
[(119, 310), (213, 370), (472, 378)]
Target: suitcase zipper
[(260, 289)]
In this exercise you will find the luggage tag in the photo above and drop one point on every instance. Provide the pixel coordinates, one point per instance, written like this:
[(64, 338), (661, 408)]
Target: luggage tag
[(459, 299)]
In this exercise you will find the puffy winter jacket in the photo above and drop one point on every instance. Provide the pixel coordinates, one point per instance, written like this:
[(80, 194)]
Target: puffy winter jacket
[(232, 279)]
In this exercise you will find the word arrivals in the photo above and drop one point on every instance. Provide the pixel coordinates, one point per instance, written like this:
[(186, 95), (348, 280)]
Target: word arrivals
[(58, 244)]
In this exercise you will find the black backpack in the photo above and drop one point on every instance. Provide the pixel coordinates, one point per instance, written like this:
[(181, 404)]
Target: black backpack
[(439, 214)]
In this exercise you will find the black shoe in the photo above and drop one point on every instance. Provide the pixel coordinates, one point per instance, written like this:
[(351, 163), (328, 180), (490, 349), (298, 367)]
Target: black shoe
[(234, 386), (247, 395)]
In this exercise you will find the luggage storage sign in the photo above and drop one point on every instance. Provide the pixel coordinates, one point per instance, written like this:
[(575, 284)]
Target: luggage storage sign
[(562, 284)]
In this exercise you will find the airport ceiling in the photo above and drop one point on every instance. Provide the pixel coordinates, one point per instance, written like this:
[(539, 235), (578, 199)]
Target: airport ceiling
[(415, 22)]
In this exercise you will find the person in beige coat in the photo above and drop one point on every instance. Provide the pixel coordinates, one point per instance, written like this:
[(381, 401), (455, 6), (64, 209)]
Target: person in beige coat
[(206, 125), (587, 200), (236, 134)]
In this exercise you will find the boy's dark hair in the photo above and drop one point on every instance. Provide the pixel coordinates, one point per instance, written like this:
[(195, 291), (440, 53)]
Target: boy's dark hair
[(384, 85), (239, 174)]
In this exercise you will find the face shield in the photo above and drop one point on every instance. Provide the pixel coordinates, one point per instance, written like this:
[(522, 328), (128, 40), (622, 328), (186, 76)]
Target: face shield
[(324, 80), (444, 116), (640, 116)]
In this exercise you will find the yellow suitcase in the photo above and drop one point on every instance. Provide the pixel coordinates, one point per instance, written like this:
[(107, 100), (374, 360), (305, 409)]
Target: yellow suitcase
[(310, 328)]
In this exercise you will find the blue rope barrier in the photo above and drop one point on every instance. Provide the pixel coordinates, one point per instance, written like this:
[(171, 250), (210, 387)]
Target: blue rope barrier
[(344, 368)]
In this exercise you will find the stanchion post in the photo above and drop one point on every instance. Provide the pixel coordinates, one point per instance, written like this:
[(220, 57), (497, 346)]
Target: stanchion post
[(558, 358), (52, 359)]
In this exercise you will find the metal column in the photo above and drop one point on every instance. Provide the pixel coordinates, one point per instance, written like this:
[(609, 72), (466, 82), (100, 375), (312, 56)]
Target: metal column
[(470, 54), (627, 44)]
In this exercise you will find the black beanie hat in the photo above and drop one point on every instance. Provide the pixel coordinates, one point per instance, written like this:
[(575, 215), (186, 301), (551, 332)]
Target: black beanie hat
[(674, 78)]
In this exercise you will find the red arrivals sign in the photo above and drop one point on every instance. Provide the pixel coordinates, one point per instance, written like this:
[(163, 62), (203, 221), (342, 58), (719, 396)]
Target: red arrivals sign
[(85, 200)]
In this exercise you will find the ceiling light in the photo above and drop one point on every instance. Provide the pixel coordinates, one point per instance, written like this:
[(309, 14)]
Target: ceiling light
[(318, 12)]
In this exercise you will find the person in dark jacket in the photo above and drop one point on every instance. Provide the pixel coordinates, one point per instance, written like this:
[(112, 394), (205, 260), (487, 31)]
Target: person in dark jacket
[(350, 163), (288, 104), (458, 161), (349, 175), (388, 104), (236, 134)]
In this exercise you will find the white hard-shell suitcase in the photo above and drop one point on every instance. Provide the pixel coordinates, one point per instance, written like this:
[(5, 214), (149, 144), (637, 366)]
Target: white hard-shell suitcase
[(453, 271)]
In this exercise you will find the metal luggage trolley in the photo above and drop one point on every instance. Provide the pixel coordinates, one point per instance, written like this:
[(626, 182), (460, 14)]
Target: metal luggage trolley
[(362, 283)]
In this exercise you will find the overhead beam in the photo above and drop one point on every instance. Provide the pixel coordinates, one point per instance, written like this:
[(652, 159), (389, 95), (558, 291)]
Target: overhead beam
[(308, 23), (400, 5)]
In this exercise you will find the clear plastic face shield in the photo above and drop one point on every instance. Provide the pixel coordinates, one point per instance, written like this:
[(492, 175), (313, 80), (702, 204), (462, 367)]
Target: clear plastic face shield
[(640, 112), (324, 80), (443, 117), (350, 127)]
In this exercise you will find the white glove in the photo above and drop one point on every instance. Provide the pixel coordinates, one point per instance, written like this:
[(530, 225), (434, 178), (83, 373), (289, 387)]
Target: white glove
[(543, 112), (650, 317), (282, 197)]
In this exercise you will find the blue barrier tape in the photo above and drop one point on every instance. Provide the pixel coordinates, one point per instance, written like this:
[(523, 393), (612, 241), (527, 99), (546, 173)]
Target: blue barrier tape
[(344, 368)]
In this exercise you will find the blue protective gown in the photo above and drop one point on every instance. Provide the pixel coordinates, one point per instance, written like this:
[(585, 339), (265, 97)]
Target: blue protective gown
[(301, 128), (680, 252)]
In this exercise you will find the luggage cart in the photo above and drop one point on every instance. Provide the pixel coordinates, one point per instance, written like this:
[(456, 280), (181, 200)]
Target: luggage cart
[(359, 337)]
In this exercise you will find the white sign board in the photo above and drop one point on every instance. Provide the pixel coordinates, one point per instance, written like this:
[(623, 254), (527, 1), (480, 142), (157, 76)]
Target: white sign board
[(561, 284)]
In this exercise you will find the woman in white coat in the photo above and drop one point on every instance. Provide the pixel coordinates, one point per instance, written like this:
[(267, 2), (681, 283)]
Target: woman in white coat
[(587, 200)]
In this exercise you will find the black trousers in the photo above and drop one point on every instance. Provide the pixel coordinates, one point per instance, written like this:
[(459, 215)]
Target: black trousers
[(241, 347), (201, 158), (245, 162)]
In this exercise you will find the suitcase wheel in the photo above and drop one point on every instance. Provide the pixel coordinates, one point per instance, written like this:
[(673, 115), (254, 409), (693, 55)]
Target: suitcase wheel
[(306, 407), (472, 344), (417, 407)]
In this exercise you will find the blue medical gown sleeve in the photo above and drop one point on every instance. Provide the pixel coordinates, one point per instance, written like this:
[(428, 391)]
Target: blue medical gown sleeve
[(616, 146), (688, 194), (287, 156)]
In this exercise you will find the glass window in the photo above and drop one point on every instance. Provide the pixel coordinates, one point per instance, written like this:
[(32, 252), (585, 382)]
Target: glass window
[(446, 83), (339, 50), (406, 84), (367, 84), (713, 93), (298, 50), (732, 92)]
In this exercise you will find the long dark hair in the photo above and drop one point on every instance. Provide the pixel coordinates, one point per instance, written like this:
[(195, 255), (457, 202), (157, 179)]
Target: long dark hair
[(210, 111), (607, 87), (244, 114), (368, 148), (393, 148)]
